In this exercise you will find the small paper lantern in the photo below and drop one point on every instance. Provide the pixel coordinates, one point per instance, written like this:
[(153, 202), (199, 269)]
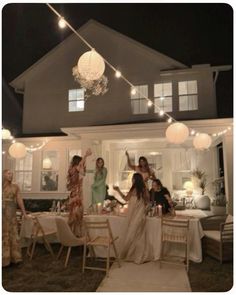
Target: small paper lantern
[(17, 150), (177, 133), (91, 65), (202, 141), (47, 163), (6, 134)]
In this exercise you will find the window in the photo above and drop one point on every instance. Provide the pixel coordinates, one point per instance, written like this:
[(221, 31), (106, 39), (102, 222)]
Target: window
[(138, 102), (49, 172), (163, 97), (188, 95), (23, 172), (76, 100)]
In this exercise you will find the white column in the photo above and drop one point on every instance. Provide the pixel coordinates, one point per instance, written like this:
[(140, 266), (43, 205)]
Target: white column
[(228, 169)]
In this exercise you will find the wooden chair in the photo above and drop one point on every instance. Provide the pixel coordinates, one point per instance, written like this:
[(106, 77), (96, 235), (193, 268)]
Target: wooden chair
[(66, 238), (106, 241), (175, 231), (218, 239), (39, 233)]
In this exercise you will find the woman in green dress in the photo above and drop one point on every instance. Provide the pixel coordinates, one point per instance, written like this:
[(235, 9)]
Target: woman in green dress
[(99, 184), (11, 250)]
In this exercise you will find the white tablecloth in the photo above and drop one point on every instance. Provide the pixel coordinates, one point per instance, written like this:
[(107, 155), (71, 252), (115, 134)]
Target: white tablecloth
[(153, 231)]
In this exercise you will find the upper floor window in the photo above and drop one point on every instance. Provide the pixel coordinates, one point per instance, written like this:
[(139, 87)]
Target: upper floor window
[(163, 97), (23, 172), (188, 95), (76, 100), (138, 100)]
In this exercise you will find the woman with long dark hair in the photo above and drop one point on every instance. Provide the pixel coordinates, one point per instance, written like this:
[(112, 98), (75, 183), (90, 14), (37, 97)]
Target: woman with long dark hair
[(142, 168), (134, 240), (99, 184), (75, 176)]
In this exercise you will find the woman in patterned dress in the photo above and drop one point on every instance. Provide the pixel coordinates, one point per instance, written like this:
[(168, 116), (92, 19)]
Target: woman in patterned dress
[(11, 250), (75, 177)]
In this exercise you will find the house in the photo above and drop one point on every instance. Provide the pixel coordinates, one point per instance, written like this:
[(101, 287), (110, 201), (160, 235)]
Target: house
[(110, 124)]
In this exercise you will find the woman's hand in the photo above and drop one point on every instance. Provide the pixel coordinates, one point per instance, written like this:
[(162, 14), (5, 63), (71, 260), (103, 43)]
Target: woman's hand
[(127, 154), (88, 152)]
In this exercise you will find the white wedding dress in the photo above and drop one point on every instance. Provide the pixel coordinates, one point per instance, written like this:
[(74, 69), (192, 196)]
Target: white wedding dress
[(134, 244)]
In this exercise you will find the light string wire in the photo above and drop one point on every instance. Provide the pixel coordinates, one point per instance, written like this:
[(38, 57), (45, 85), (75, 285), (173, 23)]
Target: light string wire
[(142, 95)]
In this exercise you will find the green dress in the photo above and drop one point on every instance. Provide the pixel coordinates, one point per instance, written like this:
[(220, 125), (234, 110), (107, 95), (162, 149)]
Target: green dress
[(99, 186), (11, 250)]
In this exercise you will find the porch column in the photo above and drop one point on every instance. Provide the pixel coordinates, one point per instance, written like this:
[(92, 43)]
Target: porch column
[(228, 169)]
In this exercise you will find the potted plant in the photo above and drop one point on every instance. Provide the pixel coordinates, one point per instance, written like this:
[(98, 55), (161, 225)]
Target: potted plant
[(218, 203), (199, 179)]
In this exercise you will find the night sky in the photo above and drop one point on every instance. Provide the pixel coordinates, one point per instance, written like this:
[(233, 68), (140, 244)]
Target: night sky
[(189, 33)]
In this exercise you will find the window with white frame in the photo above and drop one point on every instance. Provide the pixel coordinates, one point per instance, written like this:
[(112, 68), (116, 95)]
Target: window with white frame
[(76, 100), (163, 97), (138, 100), (49, 171), (23, 172), (188, 95)]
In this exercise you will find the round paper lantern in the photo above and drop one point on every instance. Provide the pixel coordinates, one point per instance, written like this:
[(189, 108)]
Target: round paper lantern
[(6, 134), (47, 163), (17, 150), (177, 133), (91, 65), (202, 141)]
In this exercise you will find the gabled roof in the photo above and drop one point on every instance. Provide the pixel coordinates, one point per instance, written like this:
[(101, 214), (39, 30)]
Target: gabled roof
[(18, 82)]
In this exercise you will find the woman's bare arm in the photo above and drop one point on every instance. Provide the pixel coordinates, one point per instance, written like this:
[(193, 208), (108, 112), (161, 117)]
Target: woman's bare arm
[(20, 202), (132, 166)]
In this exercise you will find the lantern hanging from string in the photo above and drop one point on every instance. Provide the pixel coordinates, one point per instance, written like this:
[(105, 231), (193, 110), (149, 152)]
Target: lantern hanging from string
[(177, 133), (17, 150), (6, 134), (202, 141), (91, 65)]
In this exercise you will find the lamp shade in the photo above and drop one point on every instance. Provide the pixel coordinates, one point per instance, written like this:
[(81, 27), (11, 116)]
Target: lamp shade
[(17, 150), (6, 134), (47, 163), (202, 141), (177, 133), (91, 65)]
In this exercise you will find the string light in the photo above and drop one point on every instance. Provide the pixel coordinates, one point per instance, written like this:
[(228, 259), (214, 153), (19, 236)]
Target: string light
[(150, 103), (118, 74), (162, 98), (169, 120), (133, 91), (62, 23), (192, 132), (3, 152), (161, 113)]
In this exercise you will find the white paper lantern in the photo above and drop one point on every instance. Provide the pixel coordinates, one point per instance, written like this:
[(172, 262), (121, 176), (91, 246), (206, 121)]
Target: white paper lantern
[(47, 163), (202, 141), (6, 134), (177, 133), (17, 150), (91, 65)]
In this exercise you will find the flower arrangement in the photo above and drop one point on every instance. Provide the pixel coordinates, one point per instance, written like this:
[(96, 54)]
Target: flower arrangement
[(92, 87), (202, 179)]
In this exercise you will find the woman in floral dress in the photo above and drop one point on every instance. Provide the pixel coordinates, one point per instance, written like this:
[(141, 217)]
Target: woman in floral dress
[(75, 177), (11, 250)]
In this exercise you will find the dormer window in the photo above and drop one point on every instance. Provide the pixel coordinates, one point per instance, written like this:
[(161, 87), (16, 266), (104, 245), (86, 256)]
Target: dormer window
[(188, 95), (138, 100), (76, 100), (163, 97)]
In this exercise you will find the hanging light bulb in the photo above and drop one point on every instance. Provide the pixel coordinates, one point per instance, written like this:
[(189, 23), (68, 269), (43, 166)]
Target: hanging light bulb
[(214, 134), (118, 74), (162, 98), (192, 132), (161, 113), (133, 91), (169, 120), (61, 23), (229, 128), (150, 103)]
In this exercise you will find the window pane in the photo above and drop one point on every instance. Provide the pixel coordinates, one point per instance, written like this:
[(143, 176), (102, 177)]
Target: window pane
[(193, 103), (49, 181), (183, 87), (168, 104), (165, 104), (76, 100), (135, 106), (27, 181), (72, 94), (183, 103), (158, 104), (158, 90), (143, 106), (19, 179), (50, 160), (76, 106), (143, 91), (167, 89), (192, 87), (26, 163)]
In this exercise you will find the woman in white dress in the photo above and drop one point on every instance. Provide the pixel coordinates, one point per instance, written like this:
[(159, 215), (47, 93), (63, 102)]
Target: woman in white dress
[(134, 245)]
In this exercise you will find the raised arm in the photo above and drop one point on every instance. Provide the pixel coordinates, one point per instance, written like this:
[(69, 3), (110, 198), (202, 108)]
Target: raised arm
[(87, 154), (129, 162), (125, 197)]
